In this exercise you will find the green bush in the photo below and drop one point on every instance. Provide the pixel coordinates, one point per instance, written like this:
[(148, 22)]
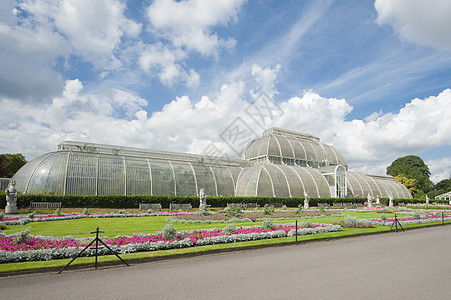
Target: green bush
[(267, 224), (229, 229), (85, 211), (383, 217), (1, 216), (306, 224), (2, 226), (298, 209), (268, 209), (169, 231), (284, 207), (22, 236), (233, 211), (58, 212)]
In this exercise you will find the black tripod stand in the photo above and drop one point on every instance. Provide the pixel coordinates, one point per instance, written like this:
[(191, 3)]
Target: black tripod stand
[(96, 240), (396, 222)]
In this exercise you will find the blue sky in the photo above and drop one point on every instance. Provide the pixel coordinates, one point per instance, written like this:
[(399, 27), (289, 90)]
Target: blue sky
[(371, 78)]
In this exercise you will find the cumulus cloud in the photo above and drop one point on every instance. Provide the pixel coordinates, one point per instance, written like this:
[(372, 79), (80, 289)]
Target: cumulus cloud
[(188, 24), (163, 61), (440, 168), (37, 35), (423, 22)]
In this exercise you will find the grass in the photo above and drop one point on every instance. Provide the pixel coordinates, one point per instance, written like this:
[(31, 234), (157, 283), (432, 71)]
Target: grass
[(131, 225)]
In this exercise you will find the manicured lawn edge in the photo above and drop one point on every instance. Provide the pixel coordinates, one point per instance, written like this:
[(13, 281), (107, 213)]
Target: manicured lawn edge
[(12, 269)]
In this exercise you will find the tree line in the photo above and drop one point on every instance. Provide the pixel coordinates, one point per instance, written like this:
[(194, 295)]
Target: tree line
[(10, 164), (414, 174)]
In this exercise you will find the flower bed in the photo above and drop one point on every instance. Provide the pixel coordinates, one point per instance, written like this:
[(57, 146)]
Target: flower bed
[(53, 217), (48, 248), (411, 220), (253, 216)]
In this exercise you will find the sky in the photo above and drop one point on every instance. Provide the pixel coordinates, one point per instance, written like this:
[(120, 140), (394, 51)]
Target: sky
[(371, 78)]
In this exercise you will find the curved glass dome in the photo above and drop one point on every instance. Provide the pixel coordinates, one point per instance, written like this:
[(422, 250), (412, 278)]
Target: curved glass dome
[(280, 163), (271, 180), (361, 185), (93, 169), (287, 147)]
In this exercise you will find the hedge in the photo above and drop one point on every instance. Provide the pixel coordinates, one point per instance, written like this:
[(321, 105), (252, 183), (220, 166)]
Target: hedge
[(132, 201)]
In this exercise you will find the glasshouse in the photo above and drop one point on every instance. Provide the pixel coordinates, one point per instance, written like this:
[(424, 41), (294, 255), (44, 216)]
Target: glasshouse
[(279, 163)]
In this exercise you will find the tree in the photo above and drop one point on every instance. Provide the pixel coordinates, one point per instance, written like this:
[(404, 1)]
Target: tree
[(10, 164), (412, 167), (441, 187)]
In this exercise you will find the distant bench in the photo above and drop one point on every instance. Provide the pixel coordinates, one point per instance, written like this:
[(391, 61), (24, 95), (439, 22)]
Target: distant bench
[(147, 206), (182, 206), (44, 205), (244, 205)]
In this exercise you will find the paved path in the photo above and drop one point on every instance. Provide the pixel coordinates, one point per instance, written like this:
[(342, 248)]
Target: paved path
[(406, 265)]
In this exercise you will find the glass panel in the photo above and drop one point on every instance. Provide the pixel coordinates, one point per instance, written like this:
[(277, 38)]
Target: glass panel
[(23, 175), (296, 186), (274, 149), (278, 180), (205, 179), (285, 146), (264, 188), (138, 177), (225, 182), (162, 178), (81, 174), (111, 175), (49, 175), (186, 184)]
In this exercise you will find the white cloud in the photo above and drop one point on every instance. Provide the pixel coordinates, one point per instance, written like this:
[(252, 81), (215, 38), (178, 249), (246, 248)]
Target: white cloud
[(265, 79), (440, 168), (95, 29), (37, 34), (164, 62), (188, 24), (423, 22)]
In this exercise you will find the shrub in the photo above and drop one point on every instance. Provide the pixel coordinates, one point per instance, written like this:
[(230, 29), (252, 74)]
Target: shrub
[(2, 226), (322, 209), (31, 215), (352, 221), (169, 231), (1, 216), (416, 215), (298, 210), (58, 212), (149, 211), (229, 229), (204, 210), (233, 211), (268, 209), (22, 236), (85, 211), (284, 207), (306, 224), (267, 224), (120, 211), (383, 217)]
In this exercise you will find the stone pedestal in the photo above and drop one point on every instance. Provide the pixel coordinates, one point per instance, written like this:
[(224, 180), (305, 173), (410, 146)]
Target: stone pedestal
[(10, 209)]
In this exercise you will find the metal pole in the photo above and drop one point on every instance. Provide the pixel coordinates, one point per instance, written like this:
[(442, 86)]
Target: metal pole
[(296, 231), (97, 245)]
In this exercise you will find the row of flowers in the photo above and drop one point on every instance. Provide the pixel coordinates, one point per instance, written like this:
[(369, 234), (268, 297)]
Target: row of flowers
[(411, 220), (73, 216), (49, 248), (243, 219)]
